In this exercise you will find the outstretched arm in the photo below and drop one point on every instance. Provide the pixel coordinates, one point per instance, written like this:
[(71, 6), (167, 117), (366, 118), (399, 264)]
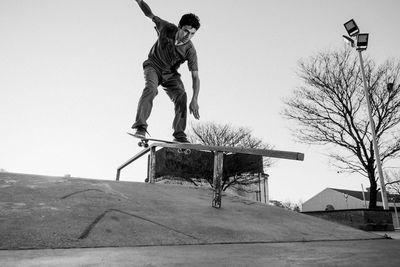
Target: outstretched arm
[(194, 106), (145, 8)]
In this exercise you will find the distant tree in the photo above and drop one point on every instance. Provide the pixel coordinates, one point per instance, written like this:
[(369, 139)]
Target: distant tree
[(297, 208), (286, 205), (330, 109), (214, 134), (393, 182), (291, 206), (276, 203)]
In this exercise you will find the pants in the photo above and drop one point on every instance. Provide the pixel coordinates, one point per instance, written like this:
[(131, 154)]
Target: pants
[(174, 87)]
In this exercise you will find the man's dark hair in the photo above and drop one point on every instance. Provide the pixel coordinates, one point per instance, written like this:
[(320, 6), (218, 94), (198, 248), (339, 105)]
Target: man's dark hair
[(190, 20)]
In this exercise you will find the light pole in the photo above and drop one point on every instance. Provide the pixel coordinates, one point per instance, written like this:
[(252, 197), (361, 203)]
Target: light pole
[(361, 45), (346, 196), (395, 212)]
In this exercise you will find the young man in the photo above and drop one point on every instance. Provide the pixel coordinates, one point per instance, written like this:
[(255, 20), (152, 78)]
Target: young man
[(172, 48)]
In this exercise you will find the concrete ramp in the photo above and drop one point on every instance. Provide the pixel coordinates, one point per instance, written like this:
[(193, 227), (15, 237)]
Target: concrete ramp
[(58, 212)]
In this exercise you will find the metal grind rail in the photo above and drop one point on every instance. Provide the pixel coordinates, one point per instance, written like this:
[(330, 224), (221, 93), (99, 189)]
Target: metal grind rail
[(218, 160)]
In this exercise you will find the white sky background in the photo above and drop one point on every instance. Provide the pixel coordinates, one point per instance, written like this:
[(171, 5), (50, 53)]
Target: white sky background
[(71, 75)]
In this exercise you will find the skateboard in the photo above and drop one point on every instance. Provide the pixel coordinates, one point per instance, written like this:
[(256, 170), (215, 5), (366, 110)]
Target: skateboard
[(144, 142)]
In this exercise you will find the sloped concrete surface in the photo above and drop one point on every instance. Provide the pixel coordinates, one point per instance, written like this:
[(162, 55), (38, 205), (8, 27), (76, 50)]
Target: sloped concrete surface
[(58, 212), (377, 252)]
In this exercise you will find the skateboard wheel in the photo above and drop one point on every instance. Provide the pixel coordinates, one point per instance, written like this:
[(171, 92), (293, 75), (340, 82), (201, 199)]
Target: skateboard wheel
[(146, 145), (140, 144), (187, 151), (180, 150)]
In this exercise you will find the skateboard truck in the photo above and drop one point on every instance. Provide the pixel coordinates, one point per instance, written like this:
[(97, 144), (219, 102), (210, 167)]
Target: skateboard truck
[(144, 142)]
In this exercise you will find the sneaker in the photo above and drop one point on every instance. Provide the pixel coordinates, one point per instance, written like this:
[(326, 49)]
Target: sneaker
[(140, 132), (181, 140)]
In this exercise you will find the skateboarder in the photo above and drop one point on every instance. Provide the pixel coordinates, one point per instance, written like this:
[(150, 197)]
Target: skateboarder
[(172, 48)]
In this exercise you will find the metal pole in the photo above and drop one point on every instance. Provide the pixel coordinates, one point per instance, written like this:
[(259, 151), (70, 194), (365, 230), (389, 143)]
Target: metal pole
[(152, 164), (375, 144), (265, 193), (346, 196), (363, 194), (395, 212), (140, 154), (266, 189), (259, 187)]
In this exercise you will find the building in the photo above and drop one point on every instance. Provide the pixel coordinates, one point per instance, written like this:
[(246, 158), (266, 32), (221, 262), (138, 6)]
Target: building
[(341, 199)]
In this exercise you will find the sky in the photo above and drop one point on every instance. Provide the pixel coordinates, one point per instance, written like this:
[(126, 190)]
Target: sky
[(71, 76)]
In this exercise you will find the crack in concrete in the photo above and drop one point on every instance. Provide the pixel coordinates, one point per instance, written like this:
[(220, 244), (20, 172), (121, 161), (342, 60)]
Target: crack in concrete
[(88, 229), (82, 191)]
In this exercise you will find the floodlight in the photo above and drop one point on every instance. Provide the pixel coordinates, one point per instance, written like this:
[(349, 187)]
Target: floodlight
[(362, 40), (351, 27), (348, 40), (362, 43)]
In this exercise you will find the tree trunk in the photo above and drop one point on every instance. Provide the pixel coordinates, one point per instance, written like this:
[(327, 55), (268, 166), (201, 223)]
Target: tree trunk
[(373, 188)]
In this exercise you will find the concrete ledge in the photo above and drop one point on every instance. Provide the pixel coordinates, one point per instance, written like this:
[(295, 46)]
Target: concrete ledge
[(364, 219)]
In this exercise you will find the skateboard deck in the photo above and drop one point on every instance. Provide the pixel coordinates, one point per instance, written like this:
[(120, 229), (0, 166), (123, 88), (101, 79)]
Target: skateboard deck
[(144, 142)]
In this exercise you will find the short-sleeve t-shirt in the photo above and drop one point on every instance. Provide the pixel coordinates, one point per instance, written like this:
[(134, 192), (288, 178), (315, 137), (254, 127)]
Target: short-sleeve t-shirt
[(165, 56)]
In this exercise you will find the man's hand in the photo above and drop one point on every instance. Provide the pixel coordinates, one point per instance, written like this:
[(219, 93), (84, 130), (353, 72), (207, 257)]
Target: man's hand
[(194, 109), (194, 106)]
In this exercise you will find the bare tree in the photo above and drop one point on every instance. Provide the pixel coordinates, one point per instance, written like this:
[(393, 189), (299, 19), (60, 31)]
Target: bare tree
[(288, 205), (393, 182), (215, 134), (330, 110)]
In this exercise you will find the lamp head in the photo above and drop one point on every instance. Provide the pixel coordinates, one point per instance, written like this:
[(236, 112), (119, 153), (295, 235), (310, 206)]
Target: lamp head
[(362, 41), (351, 27)]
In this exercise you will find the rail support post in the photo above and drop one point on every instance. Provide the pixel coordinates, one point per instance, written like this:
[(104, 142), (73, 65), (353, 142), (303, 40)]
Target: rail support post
[(217, 178)]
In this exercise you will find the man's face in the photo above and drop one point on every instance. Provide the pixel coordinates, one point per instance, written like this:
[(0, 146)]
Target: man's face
[(184, 34)]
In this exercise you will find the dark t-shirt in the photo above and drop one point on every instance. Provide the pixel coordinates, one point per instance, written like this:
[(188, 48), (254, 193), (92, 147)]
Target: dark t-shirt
[(165, 56)]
